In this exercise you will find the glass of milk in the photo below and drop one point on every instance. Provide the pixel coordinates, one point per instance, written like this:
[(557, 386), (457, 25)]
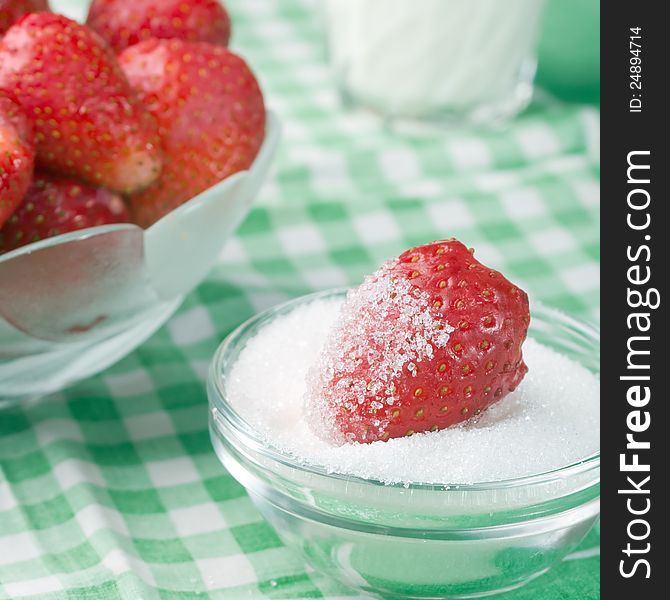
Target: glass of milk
[(436, 60)]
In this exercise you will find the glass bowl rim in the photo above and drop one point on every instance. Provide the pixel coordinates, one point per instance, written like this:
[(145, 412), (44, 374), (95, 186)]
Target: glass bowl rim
[(221, 409)]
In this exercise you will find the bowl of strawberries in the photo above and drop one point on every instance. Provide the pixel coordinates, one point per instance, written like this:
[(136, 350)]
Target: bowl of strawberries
[(131, 147)]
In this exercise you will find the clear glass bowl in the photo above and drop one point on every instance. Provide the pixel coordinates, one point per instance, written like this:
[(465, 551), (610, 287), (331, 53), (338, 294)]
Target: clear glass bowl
[(415, 541), (72, 305)]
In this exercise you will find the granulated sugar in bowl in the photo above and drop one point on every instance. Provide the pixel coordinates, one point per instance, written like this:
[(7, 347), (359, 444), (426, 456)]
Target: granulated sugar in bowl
[(468, 511)]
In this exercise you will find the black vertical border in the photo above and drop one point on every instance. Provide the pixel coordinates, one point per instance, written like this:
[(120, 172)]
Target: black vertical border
[(622, 132)]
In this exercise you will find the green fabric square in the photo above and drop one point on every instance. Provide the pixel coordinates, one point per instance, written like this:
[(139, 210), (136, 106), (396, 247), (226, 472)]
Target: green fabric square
[(13, 421), (214, 544), (28, 466), (275, 267), (181, 395), (93, 409), (107, 589), (326, 212), (196, 442), (48, 513), (223, 487), (528, 268), (574, 218), (160, 448), (257, 221), (159, 353), (73, 559), (162, 551), (350, 256), (212, 292), (255, 537), (119, 454), (500, 231), (137, 501)]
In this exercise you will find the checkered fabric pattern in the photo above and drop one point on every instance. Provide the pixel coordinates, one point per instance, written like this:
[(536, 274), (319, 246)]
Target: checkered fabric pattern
[(111, 489)]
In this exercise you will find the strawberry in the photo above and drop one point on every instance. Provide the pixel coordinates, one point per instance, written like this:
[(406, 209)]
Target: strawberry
[(55, 205), (123, 23), (88, 122), (12, 10), (210, 113), (17, 155), (431, 339)]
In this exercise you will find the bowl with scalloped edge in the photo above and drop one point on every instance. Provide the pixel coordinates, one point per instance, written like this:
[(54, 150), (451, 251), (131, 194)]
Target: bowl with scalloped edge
[(72, 305)]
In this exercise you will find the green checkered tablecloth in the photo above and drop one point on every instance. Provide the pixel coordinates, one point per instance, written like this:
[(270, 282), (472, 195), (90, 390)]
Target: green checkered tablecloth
[(111, 488)]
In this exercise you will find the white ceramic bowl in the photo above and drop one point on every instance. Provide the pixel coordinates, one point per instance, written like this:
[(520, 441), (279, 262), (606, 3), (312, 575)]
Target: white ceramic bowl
[(72, 305)]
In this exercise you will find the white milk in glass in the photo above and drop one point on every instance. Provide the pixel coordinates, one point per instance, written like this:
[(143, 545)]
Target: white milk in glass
[(468, 59)]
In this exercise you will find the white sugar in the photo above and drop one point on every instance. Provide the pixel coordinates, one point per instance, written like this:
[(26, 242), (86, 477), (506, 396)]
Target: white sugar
[(551, 420)]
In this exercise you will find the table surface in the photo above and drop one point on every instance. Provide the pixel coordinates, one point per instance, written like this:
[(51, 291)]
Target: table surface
[(111, 488)]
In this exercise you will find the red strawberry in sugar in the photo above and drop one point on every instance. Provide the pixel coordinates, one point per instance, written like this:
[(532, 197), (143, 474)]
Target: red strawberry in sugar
[(55, 205), (12, 10), (431, 339), (210, 112), (123, 23), (17, 155), (88, 121)]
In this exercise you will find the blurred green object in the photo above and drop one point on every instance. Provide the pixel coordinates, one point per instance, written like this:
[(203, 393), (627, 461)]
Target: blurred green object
[(569, 58)]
